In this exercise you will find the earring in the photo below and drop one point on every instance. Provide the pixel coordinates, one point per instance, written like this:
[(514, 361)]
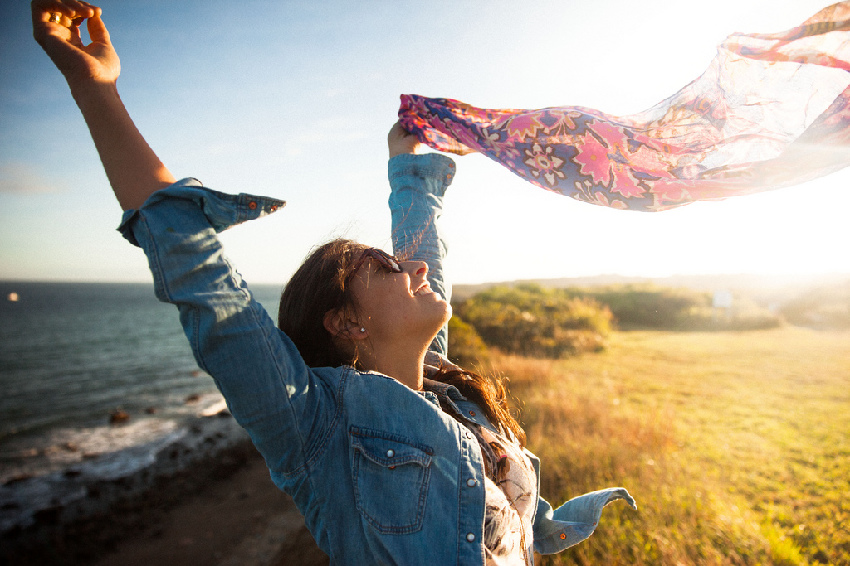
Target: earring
[(362, 329)]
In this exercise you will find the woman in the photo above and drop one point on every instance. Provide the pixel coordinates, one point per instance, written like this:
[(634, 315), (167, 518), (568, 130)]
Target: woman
[(388, 467)]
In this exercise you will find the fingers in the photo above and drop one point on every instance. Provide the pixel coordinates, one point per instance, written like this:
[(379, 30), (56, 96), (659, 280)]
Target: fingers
[(56, 27), (47, 14), (97, 29), (398, 130), (400, 141), (61, 19)]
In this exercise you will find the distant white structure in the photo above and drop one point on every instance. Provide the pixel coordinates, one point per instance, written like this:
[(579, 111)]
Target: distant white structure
[(721, 304), (722, 299)]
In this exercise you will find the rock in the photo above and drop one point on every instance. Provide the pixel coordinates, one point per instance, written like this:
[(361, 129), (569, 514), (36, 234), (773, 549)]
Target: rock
[(118, 416), (48, 516), (18, 478)]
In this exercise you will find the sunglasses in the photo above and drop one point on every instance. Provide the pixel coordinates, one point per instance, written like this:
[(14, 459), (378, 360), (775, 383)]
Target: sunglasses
[(387, 262)]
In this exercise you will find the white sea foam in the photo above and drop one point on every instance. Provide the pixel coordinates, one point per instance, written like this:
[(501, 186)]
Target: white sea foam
[(71, 354), (114, 475)]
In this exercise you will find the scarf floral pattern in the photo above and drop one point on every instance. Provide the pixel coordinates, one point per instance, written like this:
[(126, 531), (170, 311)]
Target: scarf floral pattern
[(771, 110), (510, 495)]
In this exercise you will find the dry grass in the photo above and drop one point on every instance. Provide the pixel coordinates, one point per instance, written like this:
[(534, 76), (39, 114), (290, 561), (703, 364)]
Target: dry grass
[(736, 445)]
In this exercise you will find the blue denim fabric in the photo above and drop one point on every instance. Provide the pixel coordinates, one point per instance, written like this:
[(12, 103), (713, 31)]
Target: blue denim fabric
[(380, 472), (418, 184)]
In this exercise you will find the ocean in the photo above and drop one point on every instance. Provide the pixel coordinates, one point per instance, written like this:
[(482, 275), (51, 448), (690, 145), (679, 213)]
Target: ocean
[(71, 356)]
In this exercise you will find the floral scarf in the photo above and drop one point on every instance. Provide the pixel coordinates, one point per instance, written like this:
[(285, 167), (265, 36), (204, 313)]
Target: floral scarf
[(772, 110)]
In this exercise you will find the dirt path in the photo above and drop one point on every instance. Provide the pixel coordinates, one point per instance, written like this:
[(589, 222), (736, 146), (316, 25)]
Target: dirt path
[(240, 519)]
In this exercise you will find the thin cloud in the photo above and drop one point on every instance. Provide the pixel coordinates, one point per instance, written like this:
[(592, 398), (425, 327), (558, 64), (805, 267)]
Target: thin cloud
[(326, 133), (24, 179)]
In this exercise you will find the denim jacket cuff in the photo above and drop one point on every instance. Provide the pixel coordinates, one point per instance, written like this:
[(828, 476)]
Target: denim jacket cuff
[(430, 166), (221, 210), (574, 521)]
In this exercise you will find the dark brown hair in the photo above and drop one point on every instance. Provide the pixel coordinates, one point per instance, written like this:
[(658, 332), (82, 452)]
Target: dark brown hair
[(486, 392), (321, 285)]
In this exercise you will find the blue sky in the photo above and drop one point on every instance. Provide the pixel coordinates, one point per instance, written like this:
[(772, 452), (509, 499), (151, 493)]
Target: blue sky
[(294, 99)]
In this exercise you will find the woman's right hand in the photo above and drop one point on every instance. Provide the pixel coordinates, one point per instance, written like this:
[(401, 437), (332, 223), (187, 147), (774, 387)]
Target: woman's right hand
[(401, 141), (56, 27)]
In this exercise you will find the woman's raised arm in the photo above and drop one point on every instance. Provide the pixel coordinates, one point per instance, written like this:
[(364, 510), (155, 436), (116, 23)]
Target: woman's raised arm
[(418, 183), (133, 169)]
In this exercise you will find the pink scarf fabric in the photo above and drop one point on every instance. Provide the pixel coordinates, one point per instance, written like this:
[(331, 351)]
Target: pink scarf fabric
[(771, 111)]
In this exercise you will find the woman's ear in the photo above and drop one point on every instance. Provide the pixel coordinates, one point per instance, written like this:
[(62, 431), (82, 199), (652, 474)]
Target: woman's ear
[(338, 324)]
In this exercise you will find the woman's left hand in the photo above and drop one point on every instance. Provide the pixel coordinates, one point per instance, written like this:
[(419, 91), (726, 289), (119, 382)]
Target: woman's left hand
[(56, 27), (401, 141)]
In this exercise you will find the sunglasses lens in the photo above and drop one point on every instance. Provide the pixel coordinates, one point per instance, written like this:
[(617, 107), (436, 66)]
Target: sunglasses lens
[(386, 260)]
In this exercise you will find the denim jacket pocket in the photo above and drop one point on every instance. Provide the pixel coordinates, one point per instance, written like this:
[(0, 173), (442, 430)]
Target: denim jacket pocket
[(391, 475)]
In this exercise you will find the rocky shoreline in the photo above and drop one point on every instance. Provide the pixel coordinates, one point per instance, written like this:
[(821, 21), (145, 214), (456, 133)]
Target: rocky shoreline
[(83, 516)]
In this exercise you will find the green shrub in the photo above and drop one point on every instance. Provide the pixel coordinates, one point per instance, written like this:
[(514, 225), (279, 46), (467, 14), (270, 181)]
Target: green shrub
[(466, 348), (644, 307), (648, 306), (827, 307), (533, 321)]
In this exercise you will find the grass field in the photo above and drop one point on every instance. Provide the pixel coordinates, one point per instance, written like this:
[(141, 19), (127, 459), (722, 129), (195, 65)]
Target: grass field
[(736, 445)]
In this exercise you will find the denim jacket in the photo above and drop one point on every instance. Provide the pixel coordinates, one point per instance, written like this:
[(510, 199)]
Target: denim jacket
[(380, 472)]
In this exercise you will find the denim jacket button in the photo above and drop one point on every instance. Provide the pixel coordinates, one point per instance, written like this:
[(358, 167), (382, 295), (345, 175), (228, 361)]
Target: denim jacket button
[(390, 453), (470, 537), (471, 482), (252, 205)]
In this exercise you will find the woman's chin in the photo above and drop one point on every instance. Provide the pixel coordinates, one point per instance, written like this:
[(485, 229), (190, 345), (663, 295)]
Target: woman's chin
[(445, 315)]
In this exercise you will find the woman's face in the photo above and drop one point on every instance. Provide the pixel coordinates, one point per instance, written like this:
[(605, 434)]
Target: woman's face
[(398, 307)]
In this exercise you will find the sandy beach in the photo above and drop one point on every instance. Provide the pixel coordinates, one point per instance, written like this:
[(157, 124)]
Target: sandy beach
[(220, 511)]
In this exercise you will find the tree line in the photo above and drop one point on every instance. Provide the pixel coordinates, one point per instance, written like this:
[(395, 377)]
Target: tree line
[(532, 320)]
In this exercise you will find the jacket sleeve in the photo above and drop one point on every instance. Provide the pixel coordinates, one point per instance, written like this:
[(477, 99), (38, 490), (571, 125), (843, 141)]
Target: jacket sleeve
[(418, 184), (558, 529), (270, 391)]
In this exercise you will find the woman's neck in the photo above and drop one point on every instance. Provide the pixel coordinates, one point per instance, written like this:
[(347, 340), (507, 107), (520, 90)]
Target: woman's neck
[(406, 368)]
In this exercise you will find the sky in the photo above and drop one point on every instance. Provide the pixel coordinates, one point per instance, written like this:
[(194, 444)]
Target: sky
[(294, 100)]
